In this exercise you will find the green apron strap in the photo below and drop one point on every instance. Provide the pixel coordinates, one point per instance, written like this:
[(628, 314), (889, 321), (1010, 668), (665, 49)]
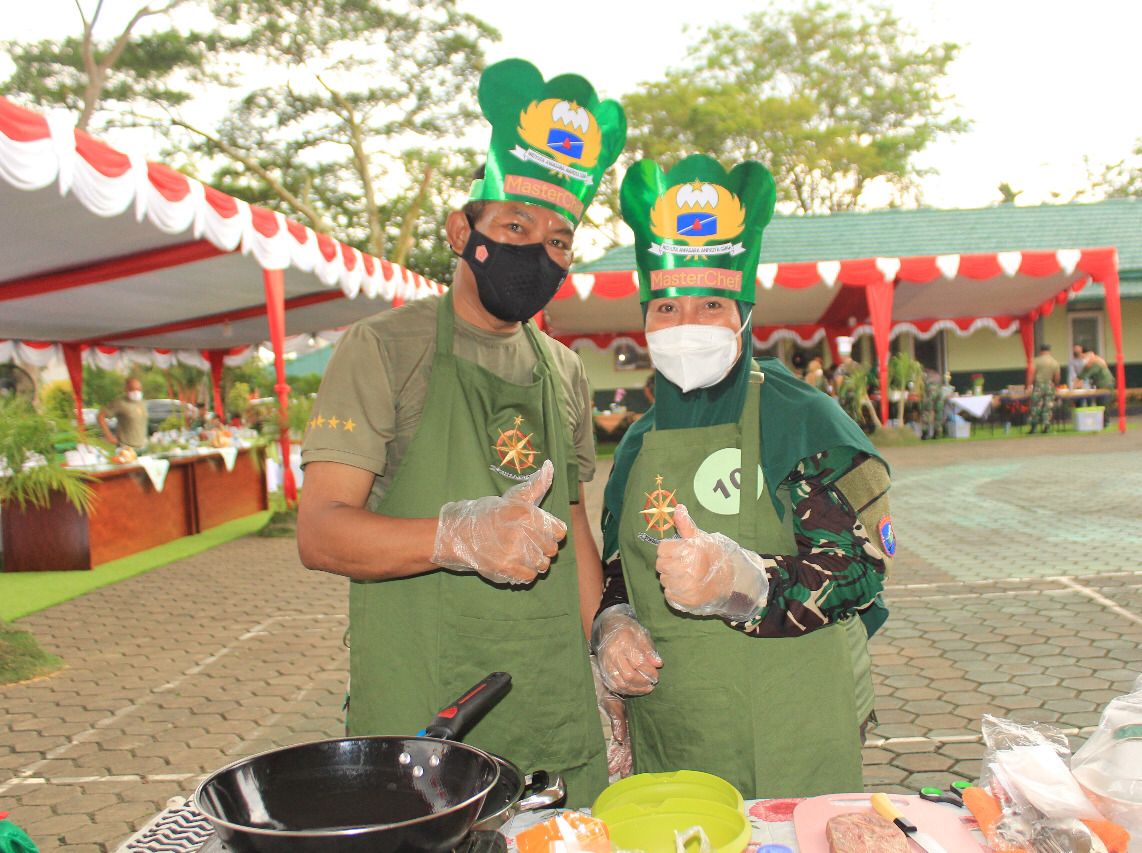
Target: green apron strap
[(751, 452)]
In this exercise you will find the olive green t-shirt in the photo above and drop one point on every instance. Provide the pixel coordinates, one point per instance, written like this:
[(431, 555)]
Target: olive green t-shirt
[(1098, 375), (1045, 369), (131, 421), (373, 393)]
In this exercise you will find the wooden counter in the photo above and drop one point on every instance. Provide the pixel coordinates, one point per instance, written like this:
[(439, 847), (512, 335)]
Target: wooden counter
[(130, 516)]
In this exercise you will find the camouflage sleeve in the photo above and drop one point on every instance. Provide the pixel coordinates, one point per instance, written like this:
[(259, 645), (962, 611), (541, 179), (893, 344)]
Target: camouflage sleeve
[(838, 569)]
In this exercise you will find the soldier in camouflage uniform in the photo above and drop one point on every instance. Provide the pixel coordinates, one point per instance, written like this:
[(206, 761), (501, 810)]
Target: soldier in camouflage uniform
[(932, 405), (1044, 375)]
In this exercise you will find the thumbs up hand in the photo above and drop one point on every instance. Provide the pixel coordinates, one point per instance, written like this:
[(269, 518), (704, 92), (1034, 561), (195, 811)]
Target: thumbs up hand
[(709, 574), (506, 539)]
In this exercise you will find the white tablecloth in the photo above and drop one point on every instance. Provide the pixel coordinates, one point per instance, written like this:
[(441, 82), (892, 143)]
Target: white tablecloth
[(977, 406), (274, 470)]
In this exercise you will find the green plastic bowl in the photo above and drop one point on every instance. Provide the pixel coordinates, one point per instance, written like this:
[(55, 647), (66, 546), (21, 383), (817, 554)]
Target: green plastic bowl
[(651, 828), (650, 789)]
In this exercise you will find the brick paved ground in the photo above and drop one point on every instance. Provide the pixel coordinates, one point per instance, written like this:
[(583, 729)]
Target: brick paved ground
[(1016, 592)]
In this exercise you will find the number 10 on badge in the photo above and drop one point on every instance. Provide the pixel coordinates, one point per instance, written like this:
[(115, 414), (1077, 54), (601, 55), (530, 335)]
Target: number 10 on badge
[(717, 482)]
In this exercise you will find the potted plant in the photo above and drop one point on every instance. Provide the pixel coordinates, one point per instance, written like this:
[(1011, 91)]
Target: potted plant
[(977, 383), (32, 466), (33, 473), (905, 374), (852, 394)]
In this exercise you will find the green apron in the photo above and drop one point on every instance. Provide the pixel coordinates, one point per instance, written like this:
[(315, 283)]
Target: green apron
[(418, 642), (775, 717)]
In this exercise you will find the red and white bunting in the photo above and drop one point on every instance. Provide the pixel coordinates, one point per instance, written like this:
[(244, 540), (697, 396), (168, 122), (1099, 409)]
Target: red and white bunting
[(37, 151)]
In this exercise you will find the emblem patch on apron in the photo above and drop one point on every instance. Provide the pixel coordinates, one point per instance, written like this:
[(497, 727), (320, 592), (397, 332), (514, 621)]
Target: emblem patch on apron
[(516, 452), (718, 481), (658, 511), (887, 535)]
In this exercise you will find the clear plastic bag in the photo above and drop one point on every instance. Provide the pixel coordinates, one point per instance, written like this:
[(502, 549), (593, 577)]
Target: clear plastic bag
[(1027, 762), (1109, 765)]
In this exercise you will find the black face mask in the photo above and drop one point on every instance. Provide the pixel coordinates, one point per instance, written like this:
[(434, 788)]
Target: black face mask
[(514, 282)]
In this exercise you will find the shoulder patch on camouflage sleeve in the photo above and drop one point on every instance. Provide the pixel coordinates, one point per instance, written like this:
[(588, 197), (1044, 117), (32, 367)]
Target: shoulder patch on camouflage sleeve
[(887, 535)]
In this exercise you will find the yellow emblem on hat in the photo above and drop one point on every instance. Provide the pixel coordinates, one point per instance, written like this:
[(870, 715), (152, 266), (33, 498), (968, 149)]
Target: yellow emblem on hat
[(697, 212), (563, 130)]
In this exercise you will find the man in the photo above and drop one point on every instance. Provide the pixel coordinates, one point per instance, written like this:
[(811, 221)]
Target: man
[(445, 458), (932, 405), (1075, 365), (1042, 376), (1095, 370), (130, 413)]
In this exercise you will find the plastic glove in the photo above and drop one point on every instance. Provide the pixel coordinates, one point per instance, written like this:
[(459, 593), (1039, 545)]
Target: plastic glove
[(628, 660), (709, 574), (506, 539), (613, 716)]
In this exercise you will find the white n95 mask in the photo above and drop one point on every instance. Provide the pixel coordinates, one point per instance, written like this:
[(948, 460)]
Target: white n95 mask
[(694, 355)]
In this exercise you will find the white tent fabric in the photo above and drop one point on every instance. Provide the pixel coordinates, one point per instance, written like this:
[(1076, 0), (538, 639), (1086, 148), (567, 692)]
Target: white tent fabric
[(104, 249)]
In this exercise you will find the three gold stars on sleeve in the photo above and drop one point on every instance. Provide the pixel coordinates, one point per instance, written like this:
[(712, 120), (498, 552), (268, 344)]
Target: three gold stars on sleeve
[(333, 422)]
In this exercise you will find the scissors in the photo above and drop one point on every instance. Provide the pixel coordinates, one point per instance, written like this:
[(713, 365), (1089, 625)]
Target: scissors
[(953, 795)]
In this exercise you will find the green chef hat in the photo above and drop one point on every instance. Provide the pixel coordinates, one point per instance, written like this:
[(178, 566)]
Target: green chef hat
[(551, 141), (697, 229)]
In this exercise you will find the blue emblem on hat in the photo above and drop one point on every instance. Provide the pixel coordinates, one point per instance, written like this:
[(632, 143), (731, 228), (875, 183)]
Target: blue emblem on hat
[(697, 224), (887, 535), (565, 142)]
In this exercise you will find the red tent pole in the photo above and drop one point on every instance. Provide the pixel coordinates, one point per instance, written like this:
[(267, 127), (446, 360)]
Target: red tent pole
[(275, 315), (215, 357), (1027, 332), (878, 295), (73, 358), (1114, 313)]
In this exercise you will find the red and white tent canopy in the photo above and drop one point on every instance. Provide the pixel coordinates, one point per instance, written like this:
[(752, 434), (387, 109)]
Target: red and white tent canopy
[(106, 257), (1004, 291)]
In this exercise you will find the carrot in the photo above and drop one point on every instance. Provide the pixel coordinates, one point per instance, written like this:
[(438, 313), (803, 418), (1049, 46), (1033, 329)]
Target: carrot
[(987, 813), (1116, 839)]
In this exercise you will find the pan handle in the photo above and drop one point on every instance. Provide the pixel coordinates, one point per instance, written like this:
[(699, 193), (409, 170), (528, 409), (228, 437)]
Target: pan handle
[(461, 715), (541, 790)]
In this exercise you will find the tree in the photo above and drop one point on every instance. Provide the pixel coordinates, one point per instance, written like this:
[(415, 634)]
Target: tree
[(1118, 180), (1007, 193), (829, 100), (87, 74), (341, 127), (340, 137)]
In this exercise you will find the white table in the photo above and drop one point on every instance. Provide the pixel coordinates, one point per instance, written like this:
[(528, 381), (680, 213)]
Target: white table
[(976, 406)]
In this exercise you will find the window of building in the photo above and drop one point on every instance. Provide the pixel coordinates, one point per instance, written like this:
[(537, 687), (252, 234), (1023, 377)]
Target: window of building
[(1086, 330)]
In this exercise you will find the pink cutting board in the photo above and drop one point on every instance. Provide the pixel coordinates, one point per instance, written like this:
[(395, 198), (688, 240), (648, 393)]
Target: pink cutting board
[(949, 825)]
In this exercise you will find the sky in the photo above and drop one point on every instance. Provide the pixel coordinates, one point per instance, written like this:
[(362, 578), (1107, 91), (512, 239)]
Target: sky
[(1045, 83)]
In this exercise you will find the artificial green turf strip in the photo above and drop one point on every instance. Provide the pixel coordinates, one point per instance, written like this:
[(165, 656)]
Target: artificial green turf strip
[(22, 593)]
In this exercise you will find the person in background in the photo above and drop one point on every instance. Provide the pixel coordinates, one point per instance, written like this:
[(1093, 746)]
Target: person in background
[(932, 403), (130, 413), (1043, 377), (1095, 371), (445, 461), (1075, 366), (648, 389), (815, 374), (746, 526), (798, 364)]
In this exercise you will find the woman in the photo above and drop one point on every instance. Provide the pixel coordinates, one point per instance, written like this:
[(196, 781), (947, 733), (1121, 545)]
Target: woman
[(736, 555)]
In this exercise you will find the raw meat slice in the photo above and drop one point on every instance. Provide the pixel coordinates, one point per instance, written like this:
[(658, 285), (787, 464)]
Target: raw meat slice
[(864, 832)]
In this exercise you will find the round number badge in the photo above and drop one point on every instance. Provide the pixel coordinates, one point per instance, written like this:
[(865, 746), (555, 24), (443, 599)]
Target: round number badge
[(718, 481)]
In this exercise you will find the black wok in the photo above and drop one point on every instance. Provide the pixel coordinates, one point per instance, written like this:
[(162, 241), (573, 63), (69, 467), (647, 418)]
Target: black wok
[(375, 794)]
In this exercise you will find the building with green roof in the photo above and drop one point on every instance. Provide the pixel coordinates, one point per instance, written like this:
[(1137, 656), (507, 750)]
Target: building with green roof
[(898, 233)]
